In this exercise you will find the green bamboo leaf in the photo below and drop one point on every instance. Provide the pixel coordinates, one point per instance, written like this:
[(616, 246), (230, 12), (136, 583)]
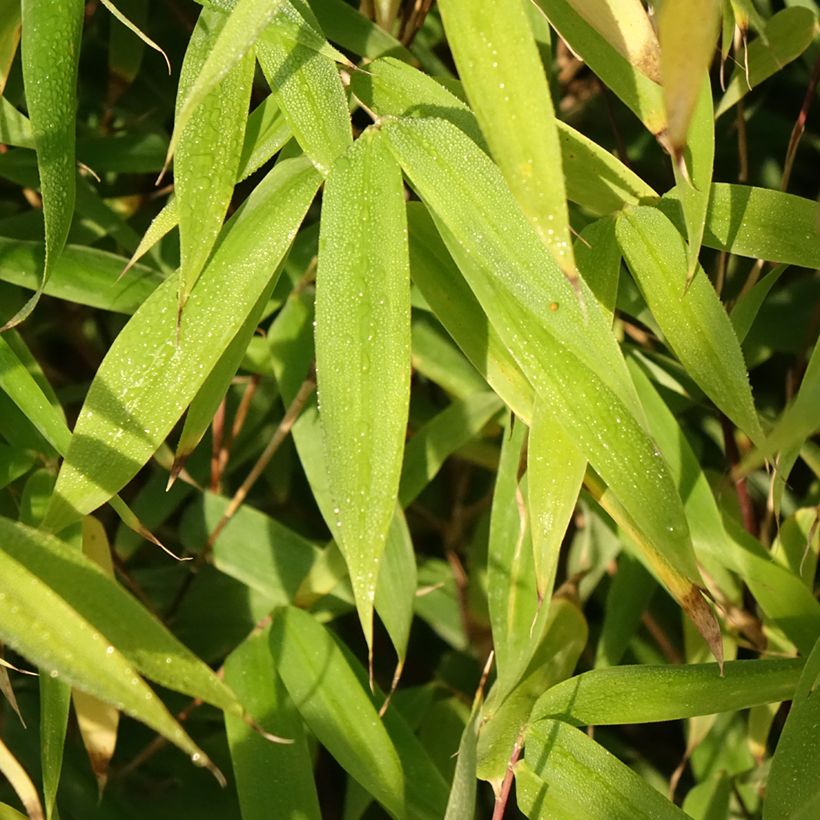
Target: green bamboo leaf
[(709, 799), (396, 587), (55, 701), (516, 616), (645, 694), (799, 420), (86, 276), (693, 173), (14, 462), (50, 53), (107, 607), (567, 350), (363, 353), (507, 712), (208, 149), (6, 811), (745, 310), (335, 705), (757, 223), (594, 178), (309, 92), (15, 128), (242, 29), (688, 31), (352, 30), (787, 35), (435, 274), (152, 371), (793, 788), (499, 64), (82, 656), (461, 802), (693, 320), (445, 433), (639, 93), (268, 774), (580, 778)]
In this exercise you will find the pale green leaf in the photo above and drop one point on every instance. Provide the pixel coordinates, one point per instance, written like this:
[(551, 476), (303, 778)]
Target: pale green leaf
[(208, 149), (748, 305), (153, 369), (15, 128), (50, 51), (82, 656), (461, 802), (268, 774), (692, 319), (363, 353), (499, 64), (335, 705)]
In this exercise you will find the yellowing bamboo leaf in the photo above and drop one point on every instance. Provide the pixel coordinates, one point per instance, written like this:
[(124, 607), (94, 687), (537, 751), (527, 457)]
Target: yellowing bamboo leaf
[(21, 783), (152, 372), (363, 353), (639, 93), (501, 69), (625, 24), (688, 31), (50, 53)]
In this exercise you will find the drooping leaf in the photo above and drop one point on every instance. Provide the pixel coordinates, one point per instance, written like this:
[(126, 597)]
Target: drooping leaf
[(151, 372), (363, 354), (22, 785)]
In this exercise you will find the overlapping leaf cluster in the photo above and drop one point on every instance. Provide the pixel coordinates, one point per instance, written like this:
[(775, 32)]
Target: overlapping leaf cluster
[(477, 390)]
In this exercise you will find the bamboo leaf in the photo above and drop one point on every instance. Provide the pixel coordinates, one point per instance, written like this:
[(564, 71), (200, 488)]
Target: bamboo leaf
[(645, 694), (208, 150), (15, 128), (795, 758), (758, 223), (335, 705), (50, 54), (149, 375), (577, 366), (499, 64), (641, 95), (461, 803), (82, 656), (9, 37), (693, 320), (55, 702), (247, 21), (580, 778), (268, 774), (787, 35), (745, 310), (687, 30), (363, 354)]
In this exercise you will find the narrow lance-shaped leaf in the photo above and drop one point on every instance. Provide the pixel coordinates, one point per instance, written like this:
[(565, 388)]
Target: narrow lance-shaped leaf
[(152, 372), (688, 31), (363, 353), (247, 21), (268, 774), (335, 705), (693, 320), (50, 54), (568, 352), (83, 656), (207, 154), (22, 785), (501, 69)]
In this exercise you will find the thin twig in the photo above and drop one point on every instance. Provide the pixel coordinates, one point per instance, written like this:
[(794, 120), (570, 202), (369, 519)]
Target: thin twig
[(747, 510), (506, 785), (800, 125)]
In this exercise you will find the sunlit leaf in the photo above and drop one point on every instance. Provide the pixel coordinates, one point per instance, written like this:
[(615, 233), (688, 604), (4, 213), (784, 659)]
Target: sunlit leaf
[(363, 354)]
